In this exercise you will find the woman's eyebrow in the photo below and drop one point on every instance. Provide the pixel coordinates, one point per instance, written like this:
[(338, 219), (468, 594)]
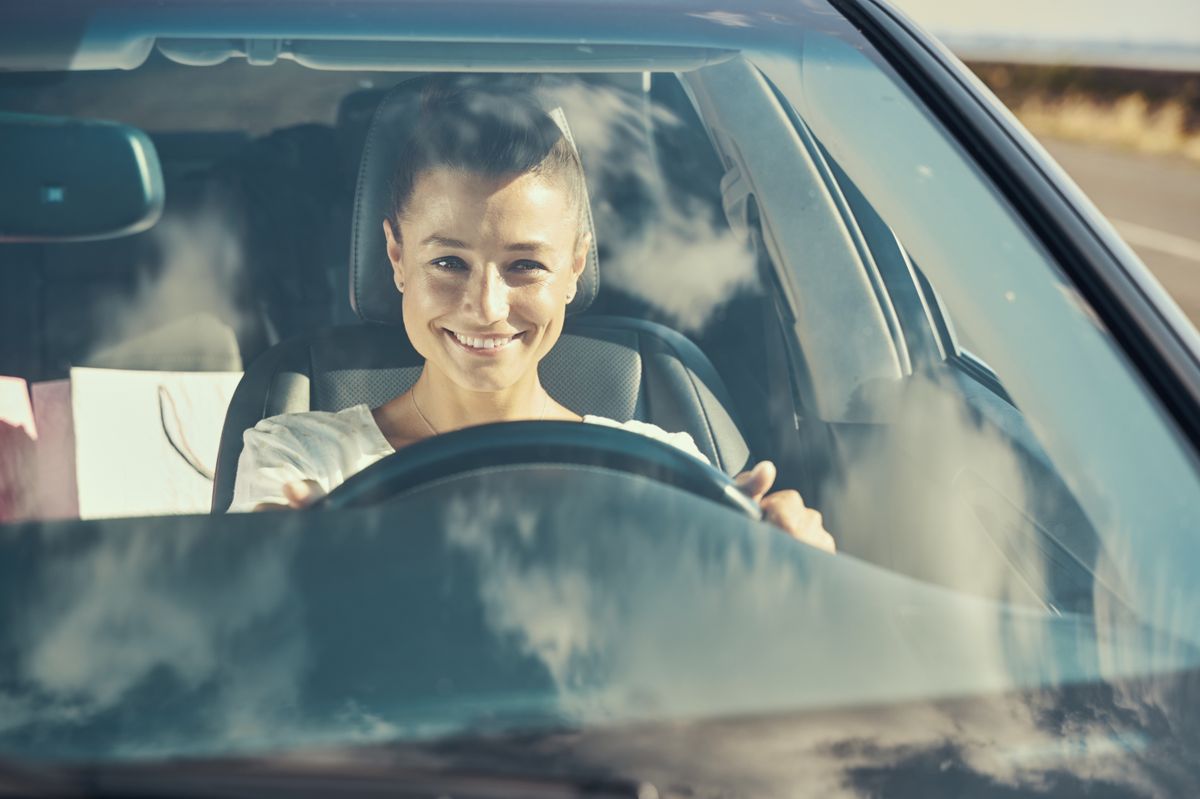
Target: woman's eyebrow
[(444, 241), (526, 246)]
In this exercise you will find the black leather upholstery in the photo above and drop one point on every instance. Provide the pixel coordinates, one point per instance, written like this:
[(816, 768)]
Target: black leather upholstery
[(373, 294)]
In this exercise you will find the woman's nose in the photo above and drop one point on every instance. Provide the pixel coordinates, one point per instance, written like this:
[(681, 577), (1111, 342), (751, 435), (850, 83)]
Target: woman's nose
[(489, 296)]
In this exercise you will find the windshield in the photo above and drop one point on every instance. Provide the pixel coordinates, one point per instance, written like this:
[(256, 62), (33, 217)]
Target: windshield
[(781, 255)]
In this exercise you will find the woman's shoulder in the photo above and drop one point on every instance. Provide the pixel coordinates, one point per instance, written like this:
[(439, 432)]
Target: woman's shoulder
[(681, 440)]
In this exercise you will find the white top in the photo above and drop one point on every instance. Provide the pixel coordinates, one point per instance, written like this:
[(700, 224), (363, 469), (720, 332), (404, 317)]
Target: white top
[(330, 447)]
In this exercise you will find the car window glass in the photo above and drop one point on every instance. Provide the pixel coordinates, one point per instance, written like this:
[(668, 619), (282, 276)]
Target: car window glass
[(1013, 508), (1097, 423)]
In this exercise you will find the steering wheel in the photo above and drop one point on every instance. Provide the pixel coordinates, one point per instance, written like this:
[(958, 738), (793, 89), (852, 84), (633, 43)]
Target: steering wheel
[(516, 443)]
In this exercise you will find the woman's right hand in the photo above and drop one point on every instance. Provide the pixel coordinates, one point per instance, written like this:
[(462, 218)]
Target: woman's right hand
[(299, 494)]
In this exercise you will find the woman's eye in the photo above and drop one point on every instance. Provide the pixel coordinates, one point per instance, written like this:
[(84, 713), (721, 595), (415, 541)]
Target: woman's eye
[(449, 263), (528, 266)]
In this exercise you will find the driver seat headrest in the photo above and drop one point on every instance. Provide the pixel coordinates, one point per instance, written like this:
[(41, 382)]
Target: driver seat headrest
[(373, 294)]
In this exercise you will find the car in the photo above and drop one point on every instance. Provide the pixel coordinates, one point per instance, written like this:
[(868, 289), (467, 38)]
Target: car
[(817, 240)]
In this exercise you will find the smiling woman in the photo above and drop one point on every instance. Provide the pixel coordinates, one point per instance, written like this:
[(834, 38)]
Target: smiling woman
[(487, 266), (487, 239), (487, 242)]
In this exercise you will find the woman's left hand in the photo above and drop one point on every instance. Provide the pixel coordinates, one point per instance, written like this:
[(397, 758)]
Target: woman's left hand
[(785, 509)]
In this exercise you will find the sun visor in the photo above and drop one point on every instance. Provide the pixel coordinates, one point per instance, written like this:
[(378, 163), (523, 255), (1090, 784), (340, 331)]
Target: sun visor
[(75, 179)]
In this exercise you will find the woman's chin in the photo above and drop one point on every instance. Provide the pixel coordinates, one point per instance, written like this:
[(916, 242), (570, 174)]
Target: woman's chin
[(485, 372), (489, 378)]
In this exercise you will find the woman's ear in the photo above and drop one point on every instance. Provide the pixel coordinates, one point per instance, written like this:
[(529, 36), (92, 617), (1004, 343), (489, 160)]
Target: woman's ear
[(582, 249), (393, 252)]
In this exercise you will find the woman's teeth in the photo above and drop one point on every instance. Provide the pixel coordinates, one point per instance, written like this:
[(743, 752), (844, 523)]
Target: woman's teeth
[(482, 343)]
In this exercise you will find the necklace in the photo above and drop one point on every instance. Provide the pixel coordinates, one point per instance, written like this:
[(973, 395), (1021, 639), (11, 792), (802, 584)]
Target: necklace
[(416, 407)]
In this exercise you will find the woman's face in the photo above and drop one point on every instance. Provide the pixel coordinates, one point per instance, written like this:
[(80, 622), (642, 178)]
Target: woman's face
[(487, 267)]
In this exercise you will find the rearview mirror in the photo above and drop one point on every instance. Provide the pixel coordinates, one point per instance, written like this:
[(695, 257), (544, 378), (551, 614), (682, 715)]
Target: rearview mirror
[(75, 179)]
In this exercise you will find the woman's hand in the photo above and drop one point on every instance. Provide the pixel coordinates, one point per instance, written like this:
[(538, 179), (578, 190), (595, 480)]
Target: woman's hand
[(785, 509), (299, 493)]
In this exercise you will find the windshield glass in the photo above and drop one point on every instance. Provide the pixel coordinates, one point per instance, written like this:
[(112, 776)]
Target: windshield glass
[(779, 255)]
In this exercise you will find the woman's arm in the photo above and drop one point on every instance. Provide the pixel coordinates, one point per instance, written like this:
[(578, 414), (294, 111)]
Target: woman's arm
[(275, 470), (785, 509)]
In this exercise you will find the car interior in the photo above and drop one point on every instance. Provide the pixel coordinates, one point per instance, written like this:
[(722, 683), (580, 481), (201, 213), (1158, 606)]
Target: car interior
[(267, 258), (813, 243), (615, 366), (289, 202)]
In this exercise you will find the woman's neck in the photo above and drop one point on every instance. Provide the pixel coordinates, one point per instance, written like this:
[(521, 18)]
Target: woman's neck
[(444, 405)]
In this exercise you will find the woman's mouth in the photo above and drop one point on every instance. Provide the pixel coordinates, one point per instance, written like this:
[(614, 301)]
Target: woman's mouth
[(483, 345)]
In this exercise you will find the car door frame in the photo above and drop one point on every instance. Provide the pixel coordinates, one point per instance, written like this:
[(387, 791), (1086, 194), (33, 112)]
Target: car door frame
[(1146, 323)]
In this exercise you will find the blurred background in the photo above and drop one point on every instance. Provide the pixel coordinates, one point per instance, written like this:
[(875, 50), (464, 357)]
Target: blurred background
[(1112, 90)]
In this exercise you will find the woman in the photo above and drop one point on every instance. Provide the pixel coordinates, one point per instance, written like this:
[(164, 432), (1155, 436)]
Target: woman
[(487, 242)]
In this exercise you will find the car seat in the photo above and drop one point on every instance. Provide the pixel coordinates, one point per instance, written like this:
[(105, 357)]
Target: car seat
[(617, 367)]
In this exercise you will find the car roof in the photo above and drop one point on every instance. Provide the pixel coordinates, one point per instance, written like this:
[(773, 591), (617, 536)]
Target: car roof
[(121, 35)]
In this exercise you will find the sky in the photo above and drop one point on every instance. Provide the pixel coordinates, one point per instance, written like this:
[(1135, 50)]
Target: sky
[(1132, 21)]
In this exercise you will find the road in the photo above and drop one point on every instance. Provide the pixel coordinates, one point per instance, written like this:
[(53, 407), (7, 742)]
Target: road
[(1153, 202)]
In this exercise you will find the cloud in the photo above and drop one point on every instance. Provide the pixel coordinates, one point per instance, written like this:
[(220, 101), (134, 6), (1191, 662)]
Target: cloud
[(726, 665), (660, 241), (142, 606), (183, 313)]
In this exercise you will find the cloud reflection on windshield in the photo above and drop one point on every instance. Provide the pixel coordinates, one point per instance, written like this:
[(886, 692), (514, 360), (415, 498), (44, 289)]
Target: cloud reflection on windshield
[(993, 748), (562, 614), (183, 313), (660, 240), (720, 654), (139, 607), (629, 654)]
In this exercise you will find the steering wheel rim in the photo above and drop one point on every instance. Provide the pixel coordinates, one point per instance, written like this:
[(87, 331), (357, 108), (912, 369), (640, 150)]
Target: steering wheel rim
[(536, 442)]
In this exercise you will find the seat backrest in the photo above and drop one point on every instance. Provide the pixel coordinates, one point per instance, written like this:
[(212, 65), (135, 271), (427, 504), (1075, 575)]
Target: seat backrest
[(607, 366)]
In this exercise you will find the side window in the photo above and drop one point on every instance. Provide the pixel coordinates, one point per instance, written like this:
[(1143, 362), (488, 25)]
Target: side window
[(926, 322)]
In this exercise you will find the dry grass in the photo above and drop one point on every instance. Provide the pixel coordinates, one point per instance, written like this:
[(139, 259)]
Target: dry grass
[(1130, 122), (1143, 111)]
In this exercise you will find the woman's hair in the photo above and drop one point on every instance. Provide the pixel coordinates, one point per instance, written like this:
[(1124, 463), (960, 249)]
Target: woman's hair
[(487, 126)]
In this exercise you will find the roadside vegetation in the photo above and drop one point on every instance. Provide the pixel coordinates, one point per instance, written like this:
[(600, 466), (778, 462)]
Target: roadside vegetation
[(1143, 110)]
